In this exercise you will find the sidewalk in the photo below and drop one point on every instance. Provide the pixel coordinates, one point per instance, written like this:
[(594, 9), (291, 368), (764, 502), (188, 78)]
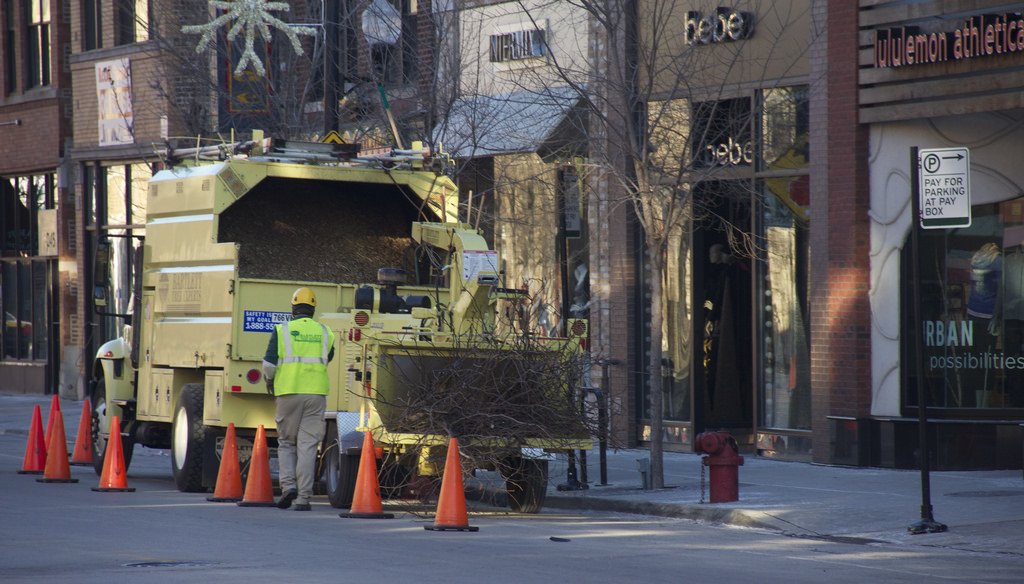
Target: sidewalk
[(984, 510)]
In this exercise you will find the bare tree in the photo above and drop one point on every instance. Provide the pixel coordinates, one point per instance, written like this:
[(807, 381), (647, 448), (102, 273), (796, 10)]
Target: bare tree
[(659, 86)]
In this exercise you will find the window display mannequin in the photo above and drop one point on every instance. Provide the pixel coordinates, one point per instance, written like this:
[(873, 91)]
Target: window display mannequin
[(1012, 316), (986, 269), (726, 344), (986, 274)]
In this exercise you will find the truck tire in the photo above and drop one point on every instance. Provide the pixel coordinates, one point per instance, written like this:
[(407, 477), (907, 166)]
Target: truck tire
[(188, 439), (98, 419), (340, 471), (527, 484)]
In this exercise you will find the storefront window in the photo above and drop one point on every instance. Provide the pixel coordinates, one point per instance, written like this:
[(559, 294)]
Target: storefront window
[(784, 325), (785, 124), (527, 232), (972, 311), (668, 123), (23, 277), (677, 327), (722, 133), (126, 190)]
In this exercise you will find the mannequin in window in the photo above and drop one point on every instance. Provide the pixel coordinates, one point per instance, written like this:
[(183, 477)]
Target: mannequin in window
[(986, 274), (1010, 311), (986, 269), (726, 295)]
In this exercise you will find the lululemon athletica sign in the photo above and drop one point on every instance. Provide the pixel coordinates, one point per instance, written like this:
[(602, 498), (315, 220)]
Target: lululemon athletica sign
[(985, 35)]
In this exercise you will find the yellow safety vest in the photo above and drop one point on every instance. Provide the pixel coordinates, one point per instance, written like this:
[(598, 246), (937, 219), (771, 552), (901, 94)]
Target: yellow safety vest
[(303, 346)]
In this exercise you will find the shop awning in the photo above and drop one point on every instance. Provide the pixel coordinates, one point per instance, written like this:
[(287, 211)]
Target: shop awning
[(545, 121)]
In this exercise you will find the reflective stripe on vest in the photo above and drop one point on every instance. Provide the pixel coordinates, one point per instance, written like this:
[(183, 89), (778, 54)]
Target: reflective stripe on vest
[(302, 358)]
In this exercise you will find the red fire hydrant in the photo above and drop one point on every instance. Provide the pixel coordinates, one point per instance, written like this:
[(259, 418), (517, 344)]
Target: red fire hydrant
[(723, 457)]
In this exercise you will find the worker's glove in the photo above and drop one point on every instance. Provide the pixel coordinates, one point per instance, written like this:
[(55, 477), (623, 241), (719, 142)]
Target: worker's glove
[(270, 386)]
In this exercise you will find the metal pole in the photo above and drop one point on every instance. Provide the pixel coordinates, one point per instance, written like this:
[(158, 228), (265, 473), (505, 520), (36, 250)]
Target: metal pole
[(572, 482), (603, 401), (602, 424), (927, 524), (583, 453), (332, 65)]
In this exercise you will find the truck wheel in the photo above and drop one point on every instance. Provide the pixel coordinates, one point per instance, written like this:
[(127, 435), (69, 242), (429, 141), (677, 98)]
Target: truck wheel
[(97, 420), (527, 485), (188, 437), (339, 471)]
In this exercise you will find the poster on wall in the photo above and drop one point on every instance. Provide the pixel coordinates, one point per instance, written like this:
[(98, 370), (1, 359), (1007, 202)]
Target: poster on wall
[(47, 232), (114, 102)]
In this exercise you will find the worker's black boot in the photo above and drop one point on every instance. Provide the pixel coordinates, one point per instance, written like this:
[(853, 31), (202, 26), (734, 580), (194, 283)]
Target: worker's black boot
[(286, 499)]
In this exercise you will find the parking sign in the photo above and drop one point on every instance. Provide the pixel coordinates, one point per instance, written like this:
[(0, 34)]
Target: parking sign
[(945, 187)]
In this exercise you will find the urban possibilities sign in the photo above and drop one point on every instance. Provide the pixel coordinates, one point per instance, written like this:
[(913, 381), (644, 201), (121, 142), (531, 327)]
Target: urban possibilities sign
[(979, 36)]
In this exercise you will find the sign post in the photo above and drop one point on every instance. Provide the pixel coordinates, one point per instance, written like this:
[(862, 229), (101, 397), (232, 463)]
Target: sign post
[(928, 164)]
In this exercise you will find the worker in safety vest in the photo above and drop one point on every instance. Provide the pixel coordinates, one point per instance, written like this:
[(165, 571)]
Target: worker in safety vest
[(295, 369)]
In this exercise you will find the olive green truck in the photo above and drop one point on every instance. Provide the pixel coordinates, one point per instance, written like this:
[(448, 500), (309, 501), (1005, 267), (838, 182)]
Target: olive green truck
[(410, 293)]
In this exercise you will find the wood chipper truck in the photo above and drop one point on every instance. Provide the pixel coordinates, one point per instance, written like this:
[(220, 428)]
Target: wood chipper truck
[(411, 295)]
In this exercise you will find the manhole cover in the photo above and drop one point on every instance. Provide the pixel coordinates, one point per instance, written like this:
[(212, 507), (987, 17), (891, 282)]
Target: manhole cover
[(169, 564), (986, 494)]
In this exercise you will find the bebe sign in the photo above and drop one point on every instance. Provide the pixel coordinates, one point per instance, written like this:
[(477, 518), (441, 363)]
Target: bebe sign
[(730, 153), (724, 25)]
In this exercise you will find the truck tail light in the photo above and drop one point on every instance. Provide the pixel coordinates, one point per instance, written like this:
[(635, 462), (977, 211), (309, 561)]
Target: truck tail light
[(253, 376), (355, 334)]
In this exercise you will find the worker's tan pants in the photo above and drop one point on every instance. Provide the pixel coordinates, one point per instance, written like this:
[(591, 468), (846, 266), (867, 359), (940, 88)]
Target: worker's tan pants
[(300, 429)]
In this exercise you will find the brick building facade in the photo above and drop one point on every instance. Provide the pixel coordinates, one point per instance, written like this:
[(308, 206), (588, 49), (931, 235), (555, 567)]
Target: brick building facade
[(841, 351), (37, 238)]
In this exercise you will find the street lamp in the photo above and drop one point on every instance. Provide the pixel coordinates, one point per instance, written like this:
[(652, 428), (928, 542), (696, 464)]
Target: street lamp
[(382, 27)]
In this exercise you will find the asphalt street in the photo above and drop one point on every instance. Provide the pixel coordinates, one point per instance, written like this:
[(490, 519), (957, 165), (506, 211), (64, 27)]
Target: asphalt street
[(983, 510)]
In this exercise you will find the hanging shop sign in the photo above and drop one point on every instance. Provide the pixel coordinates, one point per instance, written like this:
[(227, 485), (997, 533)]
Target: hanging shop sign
[(945, 192), (721, 26), (517, 45), (985, 35)]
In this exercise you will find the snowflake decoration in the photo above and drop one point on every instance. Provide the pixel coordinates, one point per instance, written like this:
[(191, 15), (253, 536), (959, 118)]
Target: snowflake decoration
[(252, 16)]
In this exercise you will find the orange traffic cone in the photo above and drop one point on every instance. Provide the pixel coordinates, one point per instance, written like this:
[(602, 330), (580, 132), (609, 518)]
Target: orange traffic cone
[(259, 489), (366, 503), (114, 477), (82, 455), (35, 448), (54, 412), (229, 475), (451, 506), (57, 468)]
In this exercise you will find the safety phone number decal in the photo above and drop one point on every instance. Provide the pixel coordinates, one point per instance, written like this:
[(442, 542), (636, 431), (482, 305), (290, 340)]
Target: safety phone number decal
[(262, 321)]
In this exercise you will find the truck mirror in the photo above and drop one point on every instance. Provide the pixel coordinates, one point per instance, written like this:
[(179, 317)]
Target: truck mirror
[(101, 273), (99, 296)]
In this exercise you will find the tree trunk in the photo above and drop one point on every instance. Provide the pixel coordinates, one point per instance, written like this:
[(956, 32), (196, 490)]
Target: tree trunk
[(654, 365)]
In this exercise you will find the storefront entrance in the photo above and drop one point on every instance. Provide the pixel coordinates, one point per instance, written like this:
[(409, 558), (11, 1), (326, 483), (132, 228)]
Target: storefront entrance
[(723, 353)]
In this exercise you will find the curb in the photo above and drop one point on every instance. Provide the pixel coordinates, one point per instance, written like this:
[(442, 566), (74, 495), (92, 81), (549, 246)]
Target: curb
[(735, 517)]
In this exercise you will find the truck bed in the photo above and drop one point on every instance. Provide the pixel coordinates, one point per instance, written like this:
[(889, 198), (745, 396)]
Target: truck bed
[(321, 231)]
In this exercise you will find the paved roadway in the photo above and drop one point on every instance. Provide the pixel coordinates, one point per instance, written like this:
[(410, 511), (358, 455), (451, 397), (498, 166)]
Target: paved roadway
[(68, 533)]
